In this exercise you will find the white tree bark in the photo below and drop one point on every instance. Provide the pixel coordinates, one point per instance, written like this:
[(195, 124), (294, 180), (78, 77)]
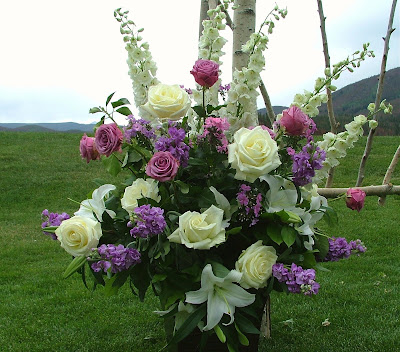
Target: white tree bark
[(389, 172), (368, 145), (388, 189), (244, 19)]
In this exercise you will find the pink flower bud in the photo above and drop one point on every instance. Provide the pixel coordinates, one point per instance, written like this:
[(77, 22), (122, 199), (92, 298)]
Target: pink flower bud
[(294, 121), (205, 72), (88, 149), (355, 199), (162, 166)]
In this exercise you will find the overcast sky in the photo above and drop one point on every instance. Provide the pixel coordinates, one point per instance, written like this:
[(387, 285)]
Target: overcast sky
[(61, 58)]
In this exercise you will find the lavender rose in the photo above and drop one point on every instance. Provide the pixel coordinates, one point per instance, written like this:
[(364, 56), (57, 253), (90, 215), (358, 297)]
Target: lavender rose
[(294, 121), (88, 149), (355, 198), (108, 139), (205, 72), (162, 166)]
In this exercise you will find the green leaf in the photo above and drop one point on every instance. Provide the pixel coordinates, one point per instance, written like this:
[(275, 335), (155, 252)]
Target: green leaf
[(122, 101), (124, 111), (188, 326), (274, 233), (322, 244), (245, 324), (330, 216), (199, 110), (288, 217), (74, 266), (309, 260), (109, 98), (183, 187), (220, 334), (114, 284), (234, 230), (51, 229), (111, 164), (94, 110), (288, 234)]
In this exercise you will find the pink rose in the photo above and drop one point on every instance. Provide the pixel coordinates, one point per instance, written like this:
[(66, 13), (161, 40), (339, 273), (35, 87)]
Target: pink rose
[(108, 139), (205, 72), (88, 149), (355, 199), (162, 166), (294, 121)]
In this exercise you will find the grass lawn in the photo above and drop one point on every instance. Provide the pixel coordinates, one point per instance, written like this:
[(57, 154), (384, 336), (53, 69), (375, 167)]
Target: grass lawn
[(39, 311)]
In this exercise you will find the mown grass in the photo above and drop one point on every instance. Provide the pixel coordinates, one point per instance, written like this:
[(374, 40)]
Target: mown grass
[(41, 312)]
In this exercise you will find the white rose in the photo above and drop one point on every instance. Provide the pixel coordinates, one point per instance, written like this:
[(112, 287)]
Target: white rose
[(78, 235), (200, 230), (167, 102), (140, 188), (255, 263), (253, 154)]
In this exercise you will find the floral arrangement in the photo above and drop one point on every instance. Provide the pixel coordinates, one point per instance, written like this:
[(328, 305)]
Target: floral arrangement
[(216, 211)]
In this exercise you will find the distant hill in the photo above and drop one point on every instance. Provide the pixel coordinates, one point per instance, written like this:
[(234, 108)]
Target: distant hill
[(69, 127), (353, 99)]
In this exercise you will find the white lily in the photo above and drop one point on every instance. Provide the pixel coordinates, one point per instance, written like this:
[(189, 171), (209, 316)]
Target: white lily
[(96, 204), (278, 198), (221, 294)]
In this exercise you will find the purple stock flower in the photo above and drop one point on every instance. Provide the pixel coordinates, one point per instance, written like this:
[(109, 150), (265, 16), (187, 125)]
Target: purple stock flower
[(138, 129), (175, 145), (309, 159), (52, 219), (339, 248), (297, 279), (250, 202), (149, 221), (118, 258)]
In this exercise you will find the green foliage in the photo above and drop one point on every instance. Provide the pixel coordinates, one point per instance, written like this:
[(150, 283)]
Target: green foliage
[(42, 170)]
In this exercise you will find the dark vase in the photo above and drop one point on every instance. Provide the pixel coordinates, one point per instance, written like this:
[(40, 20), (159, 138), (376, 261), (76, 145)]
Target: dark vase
[(192, 343)]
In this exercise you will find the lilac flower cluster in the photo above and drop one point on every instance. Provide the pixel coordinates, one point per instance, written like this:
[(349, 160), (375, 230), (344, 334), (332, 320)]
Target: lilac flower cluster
[(296, 278), (250, 201), (309, 159), (339, 248), (214, 133), (138, 129), (149, 221), (174, 143), (52, 219), (118, 258)]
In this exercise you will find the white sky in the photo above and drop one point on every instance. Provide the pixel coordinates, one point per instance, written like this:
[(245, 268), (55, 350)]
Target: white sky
[(61, 58)]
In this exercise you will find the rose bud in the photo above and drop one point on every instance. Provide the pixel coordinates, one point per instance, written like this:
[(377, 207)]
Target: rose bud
[(88, 149), (355, 199)]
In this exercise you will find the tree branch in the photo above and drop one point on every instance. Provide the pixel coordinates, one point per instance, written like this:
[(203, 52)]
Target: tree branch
[(382, 190), (329, 104), (368, 145), (389, 172), (267, 102)]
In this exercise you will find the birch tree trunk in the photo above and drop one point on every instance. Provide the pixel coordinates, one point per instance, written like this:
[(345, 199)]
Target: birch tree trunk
[(329, 104), (244, 19), (388, 175), (203, 15), (368, 145)]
